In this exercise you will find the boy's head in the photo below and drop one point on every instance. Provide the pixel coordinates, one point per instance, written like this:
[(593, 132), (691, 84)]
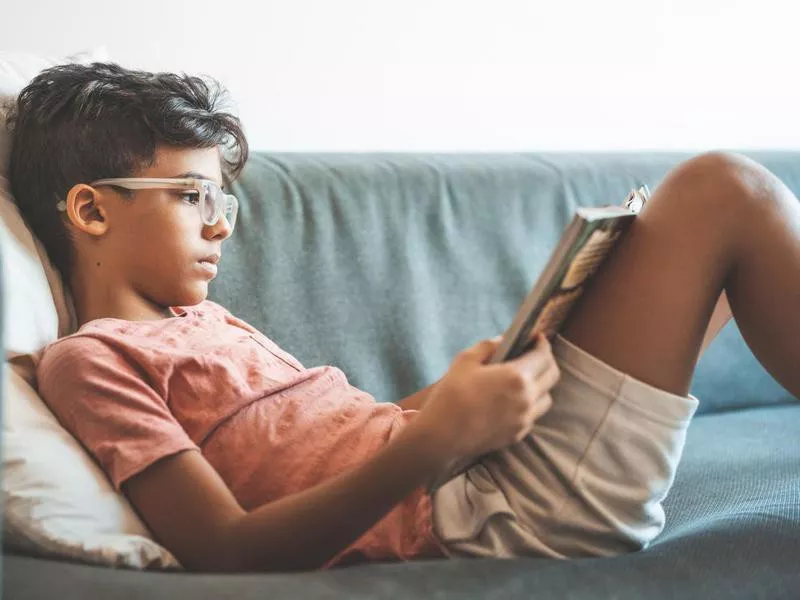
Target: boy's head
[(75, 125)]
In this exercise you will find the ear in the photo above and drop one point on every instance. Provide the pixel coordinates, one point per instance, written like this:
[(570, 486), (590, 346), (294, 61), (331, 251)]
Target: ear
[(85, 210)]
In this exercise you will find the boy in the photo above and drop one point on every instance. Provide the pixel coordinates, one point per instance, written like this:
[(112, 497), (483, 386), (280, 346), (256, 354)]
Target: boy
[(239, 458)]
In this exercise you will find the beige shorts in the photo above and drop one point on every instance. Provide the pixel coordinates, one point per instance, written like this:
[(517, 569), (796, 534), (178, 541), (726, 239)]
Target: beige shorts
[(589, 480)]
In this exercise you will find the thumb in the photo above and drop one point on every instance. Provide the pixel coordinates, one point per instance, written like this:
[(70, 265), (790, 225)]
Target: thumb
[(483, 350)]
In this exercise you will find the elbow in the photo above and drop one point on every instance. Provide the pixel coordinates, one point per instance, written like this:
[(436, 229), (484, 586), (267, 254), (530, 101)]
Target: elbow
[(220, 551), (237, 548)]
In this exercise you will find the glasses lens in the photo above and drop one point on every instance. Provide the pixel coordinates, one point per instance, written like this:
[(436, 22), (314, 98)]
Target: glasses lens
[(232, 209), (211, 207), (218, 203)]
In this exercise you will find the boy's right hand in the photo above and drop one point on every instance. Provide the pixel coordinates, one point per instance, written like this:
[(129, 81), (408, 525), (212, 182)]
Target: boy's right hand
[(477, 407)]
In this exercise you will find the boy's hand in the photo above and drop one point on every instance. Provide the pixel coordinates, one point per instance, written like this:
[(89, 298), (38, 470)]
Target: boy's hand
[(477, 408)]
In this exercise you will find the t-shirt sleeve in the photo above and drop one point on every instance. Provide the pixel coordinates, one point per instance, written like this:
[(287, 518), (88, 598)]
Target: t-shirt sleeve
[(103, 399)]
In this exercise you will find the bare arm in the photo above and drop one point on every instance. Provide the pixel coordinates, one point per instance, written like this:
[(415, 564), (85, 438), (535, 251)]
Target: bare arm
[(417, 400), (193, 513)]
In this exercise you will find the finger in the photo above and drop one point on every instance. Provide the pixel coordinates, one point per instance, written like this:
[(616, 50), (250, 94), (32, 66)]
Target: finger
[(481, 351), (535, 361), (550, 377), (543, 404)]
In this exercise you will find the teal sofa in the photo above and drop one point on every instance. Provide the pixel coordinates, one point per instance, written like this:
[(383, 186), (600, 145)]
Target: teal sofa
[(386, 265)]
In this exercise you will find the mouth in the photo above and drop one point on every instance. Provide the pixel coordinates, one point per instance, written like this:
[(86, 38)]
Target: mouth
[(209, 264)]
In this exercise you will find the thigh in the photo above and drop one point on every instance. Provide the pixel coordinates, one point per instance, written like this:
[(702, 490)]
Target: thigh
[(648, 307)]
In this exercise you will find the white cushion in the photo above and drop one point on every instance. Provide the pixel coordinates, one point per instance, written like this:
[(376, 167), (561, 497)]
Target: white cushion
[(56, 500)]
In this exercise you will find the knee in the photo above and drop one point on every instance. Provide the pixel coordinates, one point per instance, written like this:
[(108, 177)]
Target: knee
[(720, 190), (724, 181)]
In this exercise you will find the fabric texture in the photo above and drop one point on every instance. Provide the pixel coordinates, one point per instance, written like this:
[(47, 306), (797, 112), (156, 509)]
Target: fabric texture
[(589, 480), (134, 392), (56, 501)]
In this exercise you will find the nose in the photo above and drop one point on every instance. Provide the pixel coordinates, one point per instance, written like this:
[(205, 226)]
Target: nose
[(221, 230)]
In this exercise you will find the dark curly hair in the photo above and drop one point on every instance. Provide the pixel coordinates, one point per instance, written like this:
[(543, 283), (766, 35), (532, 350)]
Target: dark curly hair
[(79, 123)]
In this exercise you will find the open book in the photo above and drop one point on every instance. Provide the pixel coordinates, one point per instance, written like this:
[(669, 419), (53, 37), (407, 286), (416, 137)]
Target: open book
[(583, 247)]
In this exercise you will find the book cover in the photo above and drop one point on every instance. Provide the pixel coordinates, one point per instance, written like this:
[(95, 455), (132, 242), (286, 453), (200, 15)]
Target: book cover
[(585, 244)]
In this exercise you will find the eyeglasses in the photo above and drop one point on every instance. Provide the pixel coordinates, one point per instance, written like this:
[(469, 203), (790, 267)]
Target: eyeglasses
[(211, 200)]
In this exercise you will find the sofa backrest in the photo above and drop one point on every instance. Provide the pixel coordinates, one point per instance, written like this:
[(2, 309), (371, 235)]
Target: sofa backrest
[(386, 265)]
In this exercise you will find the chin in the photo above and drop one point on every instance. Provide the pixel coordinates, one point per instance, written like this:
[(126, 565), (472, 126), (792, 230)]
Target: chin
[(191, 296)]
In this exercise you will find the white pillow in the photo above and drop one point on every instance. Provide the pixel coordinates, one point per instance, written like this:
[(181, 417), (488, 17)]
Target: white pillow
[(56, 500)]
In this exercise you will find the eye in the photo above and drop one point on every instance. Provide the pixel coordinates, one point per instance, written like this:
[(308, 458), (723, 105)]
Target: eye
[(190, 197)]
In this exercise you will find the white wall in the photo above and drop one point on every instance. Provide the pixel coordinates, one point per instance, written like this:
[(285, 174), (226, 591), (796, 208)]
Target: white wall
[(461, 74)]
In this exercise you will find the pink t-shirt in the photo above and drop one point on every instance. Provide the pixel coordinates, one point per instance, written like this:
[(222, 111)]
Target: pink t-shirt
[(133, 392)]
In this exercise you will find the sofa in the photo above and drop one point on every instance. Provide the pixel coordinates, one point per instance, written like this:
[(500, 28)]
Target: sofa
[(386, 265)]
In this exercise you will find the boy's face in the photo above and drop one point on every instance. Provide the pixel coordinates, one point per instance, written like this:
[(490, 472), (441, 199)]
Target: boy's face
[(154, 241)]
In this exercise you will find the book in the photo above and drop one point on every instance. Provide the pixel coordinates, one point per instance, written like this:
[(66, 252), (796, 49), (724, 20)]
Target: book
[(585, 244)]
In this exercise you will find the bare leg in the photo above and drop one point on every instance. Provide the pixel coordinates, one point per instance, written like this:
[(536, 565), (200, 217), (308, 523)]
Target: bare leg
[(716, 223)]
